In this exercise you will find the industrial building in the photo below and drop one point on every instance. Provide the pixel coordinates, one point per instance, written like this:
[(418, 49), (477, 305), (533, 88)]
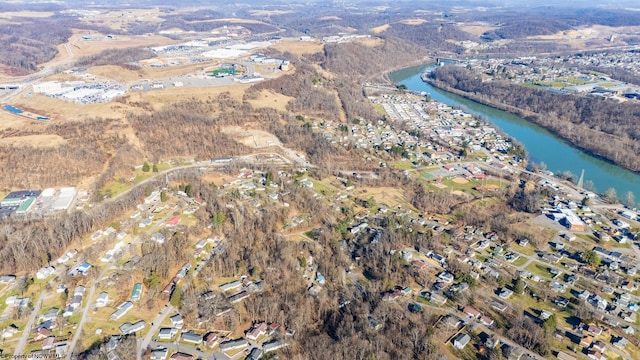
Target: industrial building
[(572, 221)]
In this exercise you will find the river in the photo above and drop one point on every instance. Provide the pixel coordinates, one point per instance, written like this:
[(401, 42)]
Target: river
[(541, 145)]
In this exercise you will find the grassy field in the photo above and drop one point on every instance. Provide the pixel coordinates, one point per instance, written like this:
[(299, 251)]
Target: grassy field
[(402, 165)]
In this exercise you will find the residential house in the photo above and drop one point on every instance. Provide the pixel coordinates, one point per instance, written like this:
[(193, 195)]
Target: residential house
[(47, 344), (620, 342), (121, 310), (273, 346), (211, 340), (471, 312), (255, 354), (594, 329), (257, 331), (595, 355), (446, 277), (7, 279), (159, 354), (167, 333), (75, 302), (128, 328), (233, 345), (102, 300), (231, 286), (487, 321), (437, 298), (177, 321), (61, 350), (9, 331), (191, 337), (42, 334), (598, 346), (52, 314), (461, 341), (238, 297), (505, 293)]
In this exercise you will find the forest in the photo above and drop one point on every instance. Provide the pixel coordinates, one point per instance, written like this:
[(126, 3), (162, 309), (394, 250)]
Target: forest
[(603, 127)]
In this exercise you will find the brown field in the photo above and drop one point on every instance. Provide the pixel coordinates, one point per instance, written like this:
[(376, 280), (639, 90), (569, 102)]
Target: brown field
[(271, 100), (229, 20), (60, 77), (170, 71), (123, 75), (392, 197), (160, 98), (80, 48), (371, 42), (413, 21), (59, 110), (10, 121), (269, 12), (26, 14), (330, 18), (217, 179), (117, 73), (299, 47), (251, 137), (460, 180), (43, 140), (578, 38), (122, 19), (381, 28), (476, 29)]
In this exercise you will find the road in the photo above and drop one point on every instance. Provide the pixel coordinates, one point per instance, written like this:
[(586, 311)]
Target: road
[(156, 323), (175, 346), (85, 311), (27, 329)]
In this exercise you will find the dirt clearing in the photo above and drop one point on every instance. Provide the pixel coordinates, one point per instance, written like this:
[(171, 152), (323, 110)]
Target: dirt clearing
[(381, 28), (413, 21), (460, 180), (272, 100), (251, 137), (299, 47), (217, 179)]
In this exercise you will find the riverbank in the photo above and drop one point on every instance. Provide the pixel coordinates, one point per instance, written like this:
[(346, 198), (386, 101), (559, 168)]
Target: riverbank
[(564, 134), (542, 146)]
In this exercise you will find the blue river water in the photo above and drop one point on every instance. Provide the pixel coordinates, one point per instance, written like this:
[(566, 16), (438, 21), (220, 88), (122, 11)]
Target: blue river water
[(541, 145)]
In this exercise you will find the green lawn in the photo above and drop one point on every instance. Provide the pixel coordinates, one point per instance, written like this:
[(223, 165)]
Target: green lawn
[(526, 250), (539, 269), (402, 165), (520, 261), (321, 188)]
